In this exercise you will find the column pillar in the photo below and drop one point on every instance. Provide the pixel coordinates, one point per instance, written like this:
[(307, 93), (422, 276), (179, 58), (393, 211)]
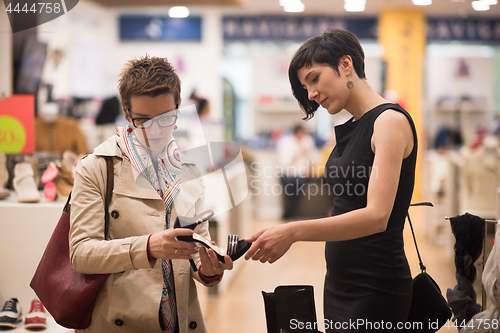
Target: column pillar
[(402, 34)]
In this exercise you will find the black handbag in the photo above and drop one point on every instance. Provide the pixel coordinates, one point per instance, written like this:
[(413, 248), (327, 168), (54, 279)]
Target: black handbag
[(429, 310)]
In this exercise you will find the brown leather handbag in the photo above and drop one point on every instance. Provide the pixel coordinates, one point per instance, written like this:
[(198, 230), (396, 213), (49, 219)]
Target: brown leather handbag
[(67, 295)]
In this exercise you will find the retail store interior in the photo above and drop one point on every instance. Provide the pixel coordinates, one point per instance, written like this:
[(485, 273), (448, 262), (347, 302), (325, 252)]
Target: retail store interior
[(439, 59)]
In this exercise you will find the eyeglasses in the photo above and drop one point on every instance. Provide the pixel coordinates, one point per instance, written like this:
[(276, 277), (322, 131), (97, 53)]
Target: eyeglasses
[(164, 120)]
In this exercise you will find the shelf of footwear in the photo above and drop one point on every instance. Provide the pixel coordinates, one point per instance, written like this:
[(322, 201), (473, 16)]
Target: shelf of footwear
[(14, 319), (52, 327), (26, 229), (12, 201)]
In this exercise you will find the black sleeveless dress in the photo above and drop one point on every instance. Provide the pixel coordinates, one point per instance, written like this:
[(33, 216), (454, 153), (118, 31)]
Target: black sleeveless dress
[(368, 279)]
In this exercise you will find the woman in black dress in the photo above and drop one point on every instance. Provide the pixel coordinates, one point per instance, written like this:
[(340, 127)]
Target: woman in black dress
[(371, 173)]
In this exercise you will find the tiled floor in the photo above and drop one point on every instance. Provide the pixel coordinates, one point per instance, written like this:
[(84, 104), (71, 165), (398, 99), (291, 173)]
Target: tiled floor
[(241, 308)]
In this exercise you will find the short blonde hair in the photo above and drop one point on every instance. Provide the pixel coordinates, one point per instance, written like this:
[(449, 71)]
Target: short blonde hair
[(149, 76)]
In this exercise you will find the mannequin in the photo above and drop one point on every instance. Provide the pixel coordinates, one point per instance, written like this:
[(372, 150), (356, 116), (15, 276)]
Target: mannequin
[(482, 178), (54, 133)]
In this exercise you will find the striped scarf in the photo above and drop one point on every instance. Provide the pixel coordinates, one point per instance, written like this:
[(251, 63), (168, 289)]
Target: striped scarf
[(164, 174)]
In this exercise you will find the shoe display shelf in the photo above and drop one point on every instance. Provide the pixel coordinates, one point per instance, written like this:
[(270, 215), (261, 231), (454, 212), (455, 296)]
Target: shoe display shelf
[(52, 327), (26, 230)]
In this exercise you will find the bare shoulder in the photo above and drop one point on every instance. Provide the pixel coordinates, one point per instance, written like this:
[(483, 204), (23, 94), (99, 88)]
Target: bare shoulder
[(392, 119), (393, 127)]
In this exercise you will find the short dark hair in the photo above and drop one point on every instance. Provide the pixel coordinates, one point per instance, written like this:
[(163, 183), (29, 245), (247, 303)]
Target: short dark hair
[(298, 128), (327, 48), (202, 104), (149, 76)]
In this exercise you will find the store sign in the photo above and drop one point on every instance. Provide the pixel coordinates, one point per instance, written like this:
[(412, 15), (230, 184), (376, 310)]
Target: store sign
[(17, 124), (300, 28), (159, 28), (292, 28), (474, 30)]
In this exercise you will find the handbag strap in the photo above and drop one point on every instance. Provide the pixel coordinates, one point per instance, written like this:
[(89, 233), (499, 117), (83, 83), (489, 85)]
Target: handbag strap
[(110, 183), (422, 267)]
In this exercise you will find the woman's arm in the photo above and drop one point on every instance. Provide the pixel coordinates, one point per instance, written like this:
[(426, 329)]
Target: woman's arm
[(392, 141), (89, 252)]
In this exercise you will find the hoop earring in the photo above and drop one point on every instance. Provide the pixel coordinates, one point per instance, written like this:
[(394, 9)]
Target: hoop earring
[(350, 84)]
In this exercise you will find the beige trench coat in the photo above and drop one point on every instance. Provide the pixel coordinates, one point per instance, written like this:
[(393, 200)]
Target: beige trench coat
[(129, 301)]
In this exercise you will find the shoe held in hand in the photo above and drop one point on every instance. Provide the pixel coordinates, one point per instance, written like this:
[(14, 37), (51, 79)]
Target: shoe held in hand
[(235, 247)]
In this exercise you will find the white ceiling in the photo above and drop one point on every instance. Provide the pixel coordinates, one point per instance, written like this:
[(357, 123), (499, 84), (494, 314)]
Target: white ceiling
[(451, 8)]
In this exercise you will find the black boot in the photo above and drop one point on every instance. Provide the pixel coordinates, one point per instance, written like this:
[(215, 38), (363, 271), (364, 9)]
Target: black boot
[(291, 309)]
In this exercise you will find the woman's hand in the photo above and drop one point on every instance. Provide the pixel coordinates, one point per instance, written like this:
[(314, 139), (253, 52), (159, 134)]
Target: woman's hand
[(211, 265), (270, 244), (164, 244)]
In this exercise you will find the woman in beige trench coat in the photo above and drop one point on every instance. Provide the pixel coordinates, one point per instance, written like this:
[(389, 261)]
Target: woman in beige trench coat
[(129, 301)]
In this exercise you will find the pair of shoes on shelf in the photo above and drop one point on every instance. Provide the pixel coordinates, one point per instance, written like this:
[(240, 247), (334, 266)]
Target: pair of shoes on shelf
[(70, 160), (36, 318), (66, 177), (12, 313), (4, 176), (24, 183), (48, 177), (59, 177), (235, 247), (4, 193)]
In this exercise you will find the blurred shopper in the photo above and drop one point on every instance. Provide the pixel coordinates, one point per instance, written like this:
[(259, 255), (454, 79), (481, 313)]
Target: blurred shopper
[(371, 173), (297, 154), (151, 287), (203, 107), (212, 128)]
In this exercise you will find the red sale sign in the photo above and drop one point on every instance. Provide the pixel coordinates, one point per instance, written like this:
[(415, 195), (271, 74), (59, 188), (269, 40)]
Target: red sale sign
[(17, 124)]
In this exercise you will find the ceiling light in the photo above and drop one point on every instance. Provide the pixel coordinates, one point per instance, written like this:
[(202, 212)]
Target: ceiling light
[(178, 11), (490, 2), (480, 6), (422, 2), (354, 5), (294, 7)]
